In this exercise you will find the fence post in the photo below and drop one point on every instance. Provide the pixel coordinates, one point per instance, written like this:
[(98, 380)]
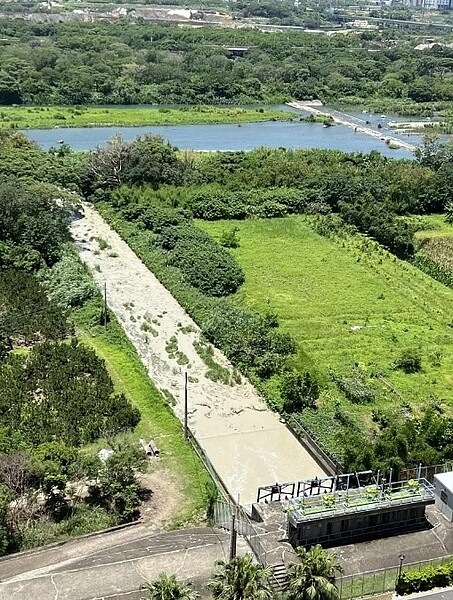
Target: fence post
[(363, 582), (383, 581), (374, 583), (341, 589), (233, 535)]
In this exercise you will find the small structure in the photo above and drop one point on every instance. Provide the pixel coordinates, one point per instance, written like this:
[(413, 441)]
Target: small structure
[(443, 493), (346, 508)]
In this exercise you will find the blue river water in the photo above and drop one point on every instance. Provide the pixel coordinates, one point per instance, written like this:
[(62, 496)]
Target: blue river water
[(274, 134)]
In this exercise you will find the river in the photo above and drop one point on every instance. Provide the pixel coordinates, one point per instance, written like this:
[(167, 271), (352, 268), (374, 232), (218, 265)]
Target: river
[(274, 134)]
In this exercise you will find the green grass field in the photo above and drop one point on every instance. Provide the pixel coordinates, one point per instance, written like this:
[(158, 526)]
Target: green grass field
[(157, 420), (345, 302), (23, 117), (436, 226)]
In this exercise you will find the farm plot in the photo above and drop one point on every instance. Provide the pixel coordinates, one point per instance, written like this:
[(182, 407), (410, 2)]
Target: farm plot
[(436, 243), (348, 303)]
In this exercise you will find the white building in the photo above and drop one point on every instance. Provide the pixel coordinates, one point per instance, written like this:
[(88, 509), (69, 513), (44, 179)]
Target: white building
[(443, 494)]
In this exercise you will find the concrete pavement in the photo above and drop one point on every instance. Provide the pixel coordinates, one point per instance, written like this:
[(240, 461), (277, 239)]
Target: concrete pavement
[(114, 565)]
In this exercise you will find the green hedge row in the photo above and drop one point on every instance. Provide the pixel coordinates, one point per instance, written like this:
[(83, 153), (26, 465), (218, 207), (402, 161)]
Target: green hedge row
[(426, 579), (213, 205)]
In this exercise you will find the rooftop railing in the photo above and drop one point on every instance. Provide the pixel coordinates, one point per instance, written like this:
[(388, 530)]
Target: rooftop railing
[(371, 497)]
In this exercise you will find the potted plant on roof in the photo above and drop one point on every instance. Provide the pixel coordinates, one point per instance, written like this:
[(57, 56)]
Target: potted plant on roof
[(413, 486), (328, 501), (372, 493)]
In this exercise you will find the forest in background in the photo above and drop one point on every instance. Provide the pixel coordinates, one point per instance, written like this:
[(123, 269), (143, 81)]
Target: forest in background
[(126, 63)]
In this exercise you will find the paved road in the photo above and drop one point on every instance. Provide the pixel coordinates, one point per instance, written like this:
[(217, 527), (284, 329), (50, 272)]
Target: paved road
[(114, 565)]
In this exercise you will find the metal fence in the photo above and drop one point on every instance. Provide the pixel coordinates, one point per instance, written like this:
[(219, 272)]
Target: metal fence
[(377, 582), (223, 518), (426, 472)]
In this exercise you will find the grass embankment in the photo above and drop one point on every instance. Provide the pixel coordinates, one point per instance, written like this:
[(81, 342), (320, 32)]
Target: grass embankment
[(157, 420), (95, 116), (347, 302)]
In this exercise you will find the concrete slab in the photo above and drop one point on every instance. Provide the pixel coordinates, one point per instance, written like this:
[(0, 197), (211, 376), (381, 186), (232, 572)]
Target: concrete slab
[(118, 572)]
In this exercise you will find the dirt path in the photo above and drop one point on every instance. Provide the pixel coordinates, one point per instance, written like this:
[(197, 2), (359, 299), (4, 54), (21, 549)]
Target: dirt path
[(245, 441)]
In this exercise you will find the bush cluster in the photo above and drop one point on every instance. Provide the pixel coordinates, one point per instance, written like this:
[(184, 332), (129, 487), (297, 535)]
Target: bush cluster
[(298, 391), (354, 388), (427, 578), (250, 341), (61, 391), (216, 204), (203, 262)]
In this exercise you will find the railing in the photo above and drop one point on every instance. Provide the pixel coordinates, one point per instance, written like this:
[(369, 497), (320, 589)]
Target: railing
[(377, 582), (223, 518), (371, 498), (221, 487), (313, 444), (426, 472)]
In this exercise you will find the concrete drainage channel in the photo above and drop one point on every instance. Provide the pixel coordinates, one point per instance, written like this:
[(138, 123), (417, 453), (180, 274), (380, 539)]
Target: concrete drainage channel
[(246, 444)]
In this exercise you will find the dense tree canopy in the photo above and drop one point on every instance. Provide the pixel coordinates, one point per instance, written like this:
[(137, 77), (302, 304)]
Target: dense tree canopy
[(132, 63)]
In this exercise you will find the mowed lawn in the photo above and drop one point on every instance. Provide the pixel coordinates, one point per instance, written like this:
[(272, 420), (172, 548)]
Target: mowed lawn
[(344, 304)]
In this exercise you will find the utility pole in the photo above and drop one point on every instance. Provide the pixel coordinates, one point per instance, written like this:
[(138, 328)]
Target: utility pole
[(105, 304), (185, 404)]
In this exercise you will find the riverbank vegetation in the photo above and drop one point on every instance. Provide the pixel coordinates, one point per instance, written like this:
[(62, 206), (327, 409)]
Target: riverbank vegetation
[(125, 63), (299, 266), (46, 117), (333, 323), (69, 387)]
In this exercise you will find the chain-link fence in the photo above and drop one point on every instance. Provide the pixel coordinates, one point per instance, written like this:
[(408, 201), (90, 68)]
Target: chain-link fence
[(377, 582)]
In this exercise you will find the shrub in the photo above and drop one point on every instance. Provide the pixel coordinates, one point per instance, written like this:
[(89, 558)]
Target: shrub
[(68, 281), (229, 238), (355, 388), (213, 206), (157, 218), (202, 261), (248, 339), (298, 391), (410, 361), (426, 579)]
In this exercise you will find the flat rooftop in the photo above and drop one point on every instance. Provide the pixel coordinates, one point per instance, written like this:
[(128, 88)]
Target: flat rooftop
[(352, 501)]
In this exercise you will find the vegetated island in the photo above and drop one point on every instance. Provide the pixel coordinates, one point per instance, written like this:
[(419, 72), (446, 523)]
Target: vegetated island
[(41, 117)]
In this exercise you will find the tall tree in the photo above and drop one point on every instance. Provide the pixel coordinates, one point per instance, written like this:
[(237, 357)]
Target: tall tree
[(314, 577), (240, 579)]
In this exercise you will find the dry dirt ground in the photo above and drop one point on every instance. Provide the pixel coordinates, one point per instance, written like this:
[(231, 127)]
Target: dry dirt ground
[(247, 444)]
